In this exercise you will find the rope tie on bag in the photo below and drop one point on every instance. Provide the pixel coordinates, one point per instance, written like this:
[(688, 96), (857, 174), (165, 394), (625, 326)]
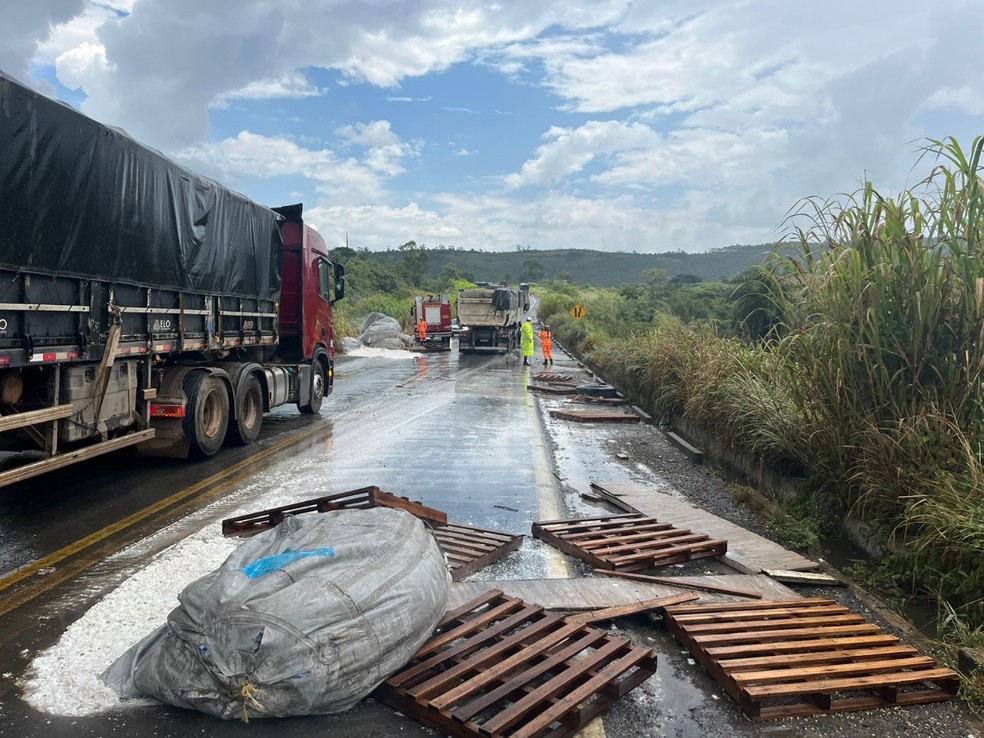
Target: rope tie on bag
[(248, 692)]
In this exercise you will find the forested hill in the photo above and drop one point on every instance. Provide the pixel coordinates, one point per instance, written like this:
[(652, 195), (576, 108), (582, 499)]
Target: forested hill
[(580, 266)]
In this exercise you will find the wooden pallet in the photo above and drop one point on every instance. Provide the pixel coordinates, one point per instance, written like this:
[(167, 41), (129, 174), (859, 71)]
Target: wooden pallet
[(627, 542), (467, 547), (498, 666), (470, 549), (362, 498), (805, 657), (595, 416)]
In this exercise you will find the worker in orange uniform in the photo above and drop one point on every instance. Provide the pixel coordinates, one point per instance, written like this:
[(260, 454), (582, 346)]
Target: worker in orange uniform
[(422, 330), (546, 344)]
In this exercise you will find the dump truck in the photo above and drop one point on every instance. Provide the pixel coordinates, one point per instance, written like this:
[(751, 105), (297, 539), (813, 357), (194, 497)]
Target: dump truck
[(489, 318), (436, 311), (142, 304)]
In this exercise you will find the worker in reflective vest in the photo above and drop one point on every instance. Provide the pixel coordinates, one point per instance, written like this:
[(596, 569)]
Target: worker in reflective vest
[(546, 345), (526, 341), (422, 330)]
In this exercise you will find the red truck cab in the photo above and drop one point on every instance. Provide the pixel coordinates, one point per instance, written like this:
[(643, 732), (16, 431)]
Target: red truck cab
[(310, 284)]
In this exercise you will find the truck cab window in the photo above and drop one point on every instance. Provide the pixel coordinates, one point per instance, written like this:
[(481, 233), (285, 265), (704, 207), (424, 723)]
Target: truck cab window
[(324, 277)]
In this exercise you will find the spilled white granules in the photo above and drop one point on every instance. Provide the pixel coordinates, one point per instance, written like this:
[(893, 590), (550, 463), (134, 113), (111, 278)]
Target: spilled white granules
[(64, 679), (380, 353)]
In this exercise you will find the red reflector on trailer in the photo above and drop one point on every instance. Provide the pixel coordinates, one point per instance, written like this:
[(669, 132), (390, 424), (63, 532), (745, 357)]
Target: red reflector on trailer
[(167, 411)]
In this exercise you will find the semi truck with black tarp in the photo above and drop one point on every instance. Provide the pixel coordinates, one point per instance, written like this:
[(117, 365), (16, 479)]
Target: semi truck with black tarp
[(489, 318), (142, 303)]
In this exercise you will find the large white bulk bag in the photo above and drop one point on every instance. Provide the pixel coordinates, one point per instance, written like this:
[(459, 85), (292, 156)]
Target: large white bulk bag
[(305, 618)]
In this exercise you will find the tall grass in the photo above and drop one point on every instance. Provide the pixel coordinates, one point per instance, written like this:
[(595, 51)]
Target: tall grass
[(884, 308), (884, 349), (689, 371), (869, 376)]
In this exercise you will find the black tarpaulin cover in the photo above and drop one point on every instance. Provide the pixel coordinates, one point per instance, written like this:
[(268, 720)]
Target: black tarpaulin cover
[(80, 198)]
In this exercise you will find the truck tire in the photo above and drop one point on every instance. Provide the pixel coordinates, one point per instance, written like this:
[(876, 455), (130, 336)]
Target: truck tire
[(318, 386), (249, 412), (207, 416)]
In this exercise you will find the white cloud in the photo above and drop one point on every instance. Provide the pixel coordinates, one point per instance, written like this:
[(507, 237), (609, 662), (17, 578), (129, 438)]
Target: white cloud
[(290, 85), (80, 64), (707, 118), (569, 151), (24, 25), (345, 179)]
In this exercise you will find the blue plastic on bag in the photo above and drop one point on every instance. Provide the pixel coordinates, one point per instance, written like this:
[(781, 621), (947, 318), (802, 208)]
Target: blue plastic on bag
[(268, 564)]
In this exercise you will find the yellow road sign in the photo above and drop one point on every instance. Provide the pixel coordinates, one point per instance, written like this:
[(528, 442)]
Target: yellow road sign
[(577, 312)]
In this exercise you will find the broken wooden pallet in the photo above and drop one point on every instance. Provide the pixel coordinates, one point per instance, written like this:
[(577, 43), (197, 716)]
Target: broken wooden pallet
[(595, 416), (498, 666), (552, 389), (362, 498), (804, 657), (592, 400), (621, 611), (551, 377), (468, 548), (627, 542)]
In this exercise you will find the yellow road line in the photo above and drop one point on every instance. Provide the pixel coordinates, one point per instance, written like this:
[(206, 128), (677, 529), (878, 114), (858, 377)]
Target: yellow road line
[(245, 469)]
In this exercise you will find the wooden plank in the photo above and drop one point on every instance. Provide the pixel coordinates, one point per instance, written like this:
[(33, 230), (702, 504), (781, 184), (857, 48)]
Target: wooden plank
[(804, 577), (598, 416), (621, 611), (555, 389), (592, 400), (805, 657), (522, 677), (586, 593), (747, 552), (684, 583), (798, 602), (783, 672)]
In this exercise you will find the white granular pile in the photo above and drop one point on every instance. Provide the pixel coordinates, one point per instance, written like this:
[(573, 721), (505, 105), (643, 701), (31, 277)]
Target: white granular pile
[(64, 680)]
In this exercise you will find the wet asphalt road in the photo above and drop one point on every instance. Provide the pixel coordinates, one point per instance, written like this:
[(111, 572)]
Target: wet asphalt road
[(461, 434)]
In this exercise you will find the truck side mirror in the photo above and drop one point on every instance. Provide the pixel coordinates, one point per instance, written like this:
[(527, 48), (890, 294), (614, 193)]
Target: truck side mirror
[(339, 282)]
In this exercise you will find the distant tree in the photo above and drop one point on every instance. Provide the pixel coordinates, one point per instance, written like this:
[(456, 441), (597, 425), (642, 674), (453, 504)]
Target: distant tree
[(564, 277), (685, 279), (342, 254), (657, 281), (532, 270), (450, 274), (414, 262)]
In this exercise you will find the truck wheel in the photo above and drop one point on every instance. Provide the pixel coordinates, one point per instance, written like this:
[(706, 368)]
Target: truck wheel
[(207, 415), (318, 385), (249, 412)]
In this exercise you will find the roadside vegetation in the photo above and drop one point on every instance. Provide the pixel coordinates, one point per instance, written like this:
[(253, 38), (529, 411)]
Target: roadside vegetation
[(853, 360)]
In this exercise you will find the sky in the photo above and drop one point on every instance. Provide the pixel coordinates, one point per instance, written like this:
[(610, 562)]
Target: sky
[(616, 125)]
